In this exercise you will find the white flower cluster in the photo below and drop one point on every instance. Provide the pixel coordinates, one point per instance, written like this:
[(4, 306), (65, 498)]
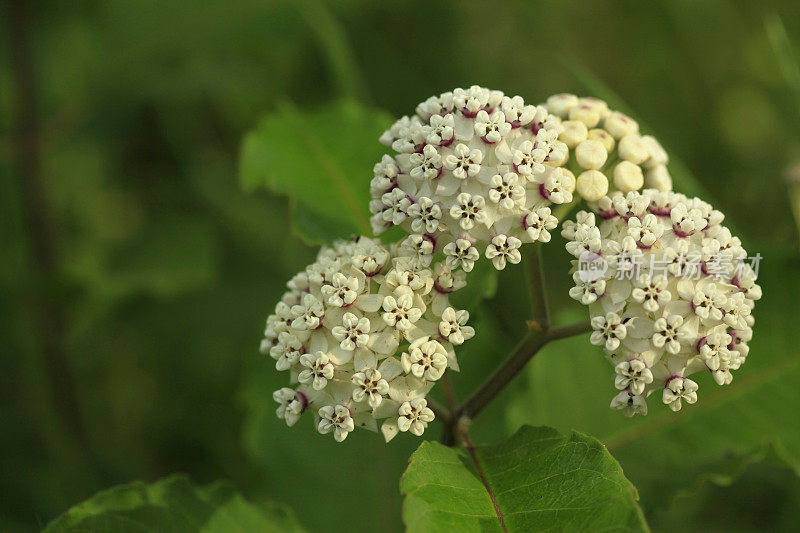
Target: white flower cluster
[(477, 171), (669, 292), (365, 332), (607, 146)]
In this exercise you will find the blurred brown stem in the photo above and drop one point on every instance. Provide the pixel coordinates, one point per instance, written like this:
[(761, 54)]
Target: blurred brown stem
[(43, 249)]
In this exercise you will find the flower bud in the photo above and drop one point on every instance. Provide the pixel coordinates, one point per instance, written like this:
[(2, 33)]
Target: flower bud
[(560, 104), (628, 177), (591, 155), (592, 185), (574, 133), (619, 125), (658, 178), (633, 149), (604, 137)]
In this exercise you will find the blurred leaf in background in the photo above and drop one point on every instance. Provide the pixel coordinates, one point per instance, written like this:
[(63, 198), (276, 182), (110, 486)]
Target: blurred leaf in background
[(173, 504)]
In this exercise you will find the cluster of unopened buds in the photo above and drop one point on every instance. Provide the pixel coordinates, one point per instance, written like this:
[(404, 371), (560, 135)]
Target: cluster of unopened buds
[(477, 171), (670, 293), (364, 333)]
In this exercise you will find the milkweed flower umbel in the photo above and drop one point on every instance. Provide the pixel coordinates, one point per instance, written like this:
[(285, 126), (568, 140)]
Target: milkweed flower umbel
[(364, 332), (670, 292), (477, 172)]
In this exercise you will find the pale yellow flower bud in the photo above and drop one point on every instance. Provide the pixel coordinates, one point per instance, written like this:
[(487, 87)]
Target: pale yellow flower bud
[(628, 177), (632, 148), (592, 185), (620, 125), (574, 133), (587, 114), (604, 137), (658, 178), (591, 154), (560, 104)]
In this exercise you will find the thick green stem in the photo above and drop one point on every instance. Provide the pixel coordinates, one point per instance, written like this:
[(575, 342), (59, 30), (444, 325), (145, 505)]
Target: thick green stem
[(540, 316)]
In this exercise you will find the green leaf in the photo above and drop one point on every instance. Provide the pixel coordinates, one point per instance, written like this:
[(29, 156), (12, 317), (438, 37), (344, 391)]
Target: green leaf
[(173, 504), (570, 386), (538, 480), (320, 159)]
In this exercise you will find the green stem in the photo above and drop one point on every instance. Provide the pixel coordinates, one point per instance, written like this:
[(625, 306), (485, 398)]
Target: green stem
[(540, 316)]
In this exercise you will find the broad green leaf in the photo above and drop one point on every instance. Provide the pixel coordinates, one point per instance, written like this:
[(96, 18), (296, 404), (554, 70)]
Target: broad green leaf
[(321, 160), (538, 480), (570, 385), (174, 504)]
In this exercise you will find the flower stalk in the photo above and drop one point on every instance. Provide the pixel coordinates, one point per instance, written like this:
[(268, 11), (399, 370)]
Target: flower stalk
[(540, 333)]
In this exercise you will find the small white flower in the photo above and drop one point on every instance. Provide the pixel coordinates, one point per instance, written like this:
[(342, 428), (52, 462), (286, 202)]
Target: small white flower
[(426, 165), (287, 351), (453, 326), (425, 359), (464, 163), (651, 293), (409, 282), (491, 128), (506, 190), (587, 291), (342, 291), (335, 418), (504, 248), (414, 416), (290, 405), (425, 215), (608, 331), (318, 371), (587, 239), (714, 349), (400, 312), (468, 210), (667, 332), (538, 222), (707, 302), (679, 389), (442, 128), (396, 204), (371, 385), (645, 231), (528, 160), (633, 375), (419, 249), (629, 403), (308, 314), (353, 333), (555, 187), (461, 253)]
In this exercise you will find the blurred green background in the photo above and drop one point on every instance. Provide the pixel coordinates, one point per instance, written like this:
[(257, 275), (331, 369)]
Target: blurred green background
[(136, 274)]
